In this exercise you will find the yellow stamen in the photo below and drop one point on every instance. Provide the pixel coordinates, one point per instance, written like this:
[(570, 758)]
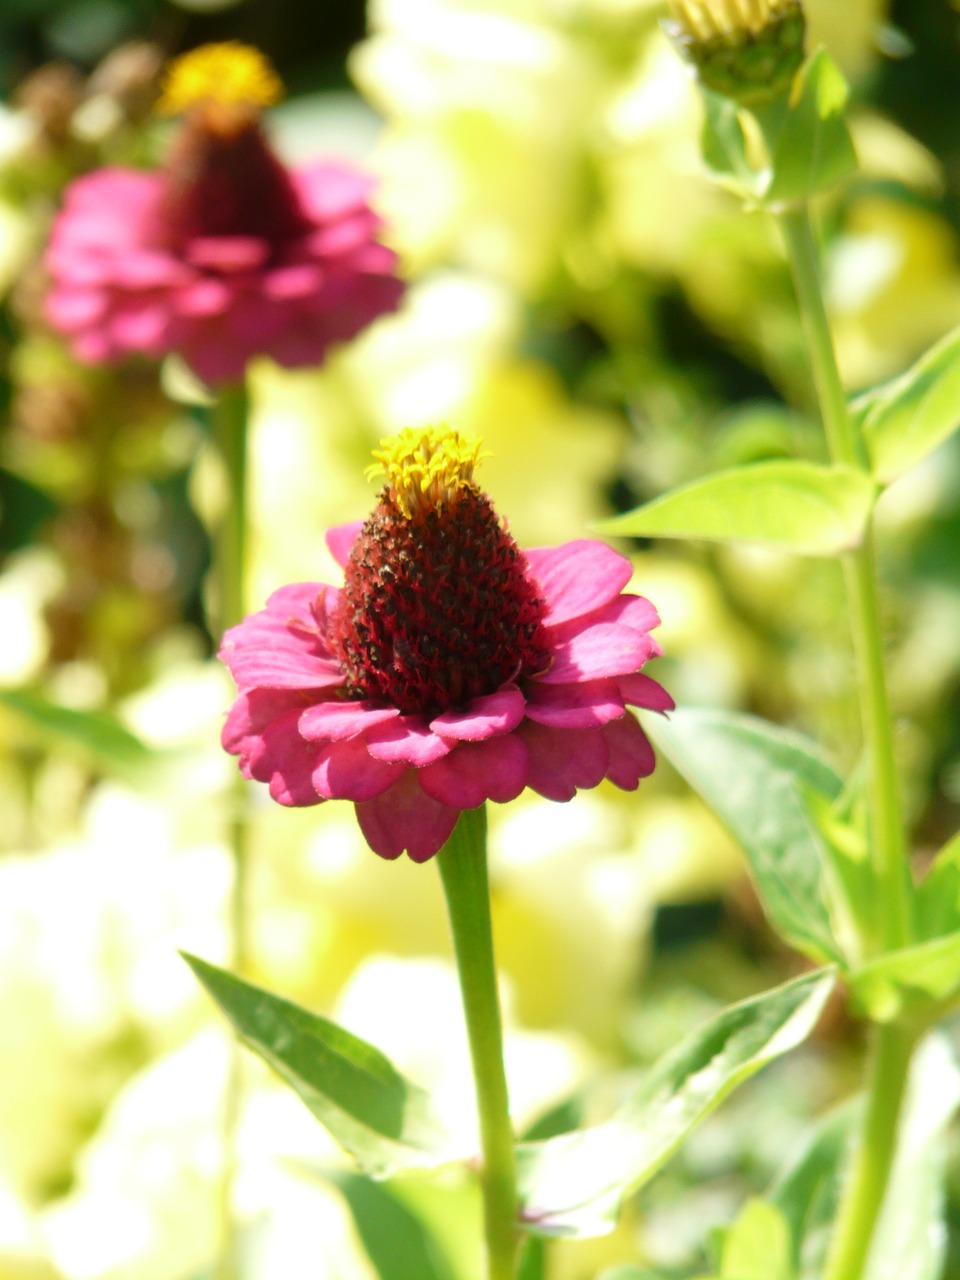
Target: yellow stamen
[(230, 74), (426, 466), (706, 19)]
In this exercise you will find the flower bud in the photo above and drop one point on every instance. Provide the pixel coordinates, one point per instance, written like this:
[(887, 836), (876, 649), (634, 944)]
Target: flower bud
[(749, 50)]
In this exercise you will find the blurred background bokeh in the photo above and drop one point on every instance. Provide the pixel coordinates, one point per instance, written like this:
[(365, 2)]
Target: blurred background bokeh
[(612, 326)]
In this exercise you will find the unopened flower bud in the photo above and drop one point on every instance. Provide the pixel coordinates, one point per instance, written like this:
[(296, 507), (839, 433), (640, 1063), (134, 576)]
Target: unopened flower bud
[(749, 50)]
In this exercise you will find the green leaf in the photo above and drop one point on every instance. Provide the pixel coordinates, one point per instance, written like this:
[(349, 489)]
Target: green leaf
[(909, 980), (802, 507), (908, 418), (384, 1121), (807, 1192), (813, 150), (395, 1240), (573, 1185), (849, 880), (533, 1259), (937, 897), (723, 145), (757, 777), (97, 734), (757, 1246)]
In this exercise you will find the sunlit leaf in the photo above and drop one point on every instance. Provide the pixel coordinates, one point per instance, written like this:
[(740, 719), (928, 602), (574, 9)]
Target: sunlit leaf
[(757, 778), (794, 506), (807, 1192), (937, 897), (383, 1120), (109, 743), (573, 1185), (913, 977), (813, 150), (724, 146), (395, 1240), (908, 418), (757, 1246)]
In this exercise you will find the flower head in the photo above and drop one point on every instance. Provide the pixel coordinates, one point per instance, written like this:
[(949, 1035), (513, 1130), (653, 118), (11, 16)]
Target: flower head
[(451, 668), (744, 49), (225, 253)]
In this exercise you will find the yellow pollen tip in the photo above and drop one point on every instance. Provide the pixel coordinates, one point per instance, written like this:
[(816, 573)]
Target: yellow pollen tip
[(230, 74), (426, 466)]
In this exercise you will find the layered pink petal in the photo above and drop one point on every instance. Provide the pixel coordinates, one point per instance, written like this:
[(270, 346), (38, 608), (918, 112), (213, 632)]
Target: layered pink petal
[(346, 771), (408, 739), (281, 758), (482, 718), (577, 577), (405, 819), (606, 649), (641, 691), (251, 713), (586, 705), (337, 720), (477, 771), (563, 760), (265, 652), (631, 755)]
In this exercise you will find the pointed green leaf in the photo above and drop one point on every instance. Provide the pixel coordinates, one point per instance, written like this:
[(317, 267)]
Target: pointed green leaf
[(723, 145), (533, 1259), (937, 897), (807, 1192), (907, 419), (813, 150), (913, 978), (795, 506), (573, 1185), (757, 1246), (384, 1121), (395, 1240), (96, 733), (756, 778)]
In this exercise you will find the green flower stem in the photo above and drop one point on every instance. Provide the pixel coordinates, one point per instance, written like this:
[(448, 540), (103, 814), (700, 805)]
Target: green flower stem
[(865, 1191), (887, 843), (893, 1045), (463, 870), (229, 426)]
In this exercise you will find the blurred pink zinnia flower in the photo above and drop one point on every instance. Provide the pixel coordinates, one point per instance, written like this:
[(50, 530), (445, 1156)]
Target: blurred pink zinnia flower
[(450, 669), (224, 254)]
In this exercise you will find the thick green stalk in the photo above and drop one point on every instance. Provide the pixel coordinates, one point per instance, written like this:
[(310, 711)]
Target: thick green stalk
[(229, 424), (867, 1186), (892, 1046), (463, 870)]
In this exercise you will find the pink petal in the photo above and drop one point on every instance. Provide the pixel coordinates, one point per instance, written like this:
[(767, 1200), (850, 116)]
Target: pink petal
[(482, 718), (346, 771), (631, 755), (586, 705), (331, 190), (142, 325), (562, 760), (204, 297), (281, 758), (227, 253), (577, 577), (404, 818), (641, 691), (338, 720), (476, 771), (266, 651), (340, 540), (606, 649), (70, 309), (293, 282), (408, 739), (250, 715)]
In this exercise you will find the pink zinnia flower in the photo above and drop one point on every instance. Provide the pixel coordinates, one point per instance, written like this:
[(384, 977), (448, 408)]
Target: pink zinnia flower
[(450, 669), (224, 254)]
